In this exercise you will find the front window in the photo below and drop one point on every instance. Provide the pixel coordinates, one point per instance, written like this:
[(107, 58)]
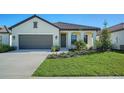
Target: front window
[(0, 39), (35, 24), (73, 38), (86, 39)]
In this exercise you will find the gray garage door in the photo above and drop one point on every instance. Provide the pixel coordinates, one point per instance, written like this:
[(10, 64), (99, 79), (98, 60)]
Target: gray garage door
[(35, 41)]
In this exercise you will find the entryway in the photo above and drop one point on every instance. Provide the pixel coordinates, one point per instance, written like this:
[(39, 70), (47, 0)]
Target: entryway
[(63, 40)]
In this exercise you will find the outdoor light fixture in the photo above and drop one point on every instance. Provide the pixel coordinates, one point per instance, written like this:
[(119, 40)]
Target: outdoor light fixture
[(13, 37), (56, 37)]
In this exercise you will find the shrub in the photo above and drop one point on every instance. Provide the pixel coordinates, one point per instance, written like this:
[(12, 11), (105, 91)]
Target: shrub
[(80, 45), (72, 49), (63, 55), (98, 45), (5, 48), (52, 56), (55, 48)]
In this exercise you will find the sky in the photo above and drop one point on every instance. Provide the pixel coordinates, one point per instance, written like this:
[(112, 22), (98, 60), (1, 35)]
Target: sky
[(83, 19)]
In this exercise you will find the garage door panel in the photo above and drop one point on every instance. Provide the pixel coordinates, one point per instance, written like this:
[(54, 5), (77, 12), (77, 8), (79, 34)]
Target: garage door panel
[(35, 41)]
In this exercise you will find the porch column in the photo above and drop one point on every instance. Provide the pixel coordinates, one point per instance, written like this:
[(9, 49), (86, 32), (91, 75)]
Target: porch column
[(94, 39), (10, 40), (69, 39), (82, 36)]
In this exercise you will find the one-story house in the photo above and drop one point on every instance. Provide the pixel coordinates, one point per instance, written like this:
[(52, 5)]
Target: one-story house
[(4, 35), (117, 36), (38, 33)]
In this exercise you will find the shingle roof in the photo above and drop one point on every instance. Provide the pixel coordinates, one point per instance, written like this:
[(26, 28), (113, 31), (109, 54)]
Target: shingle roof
[(70, 26), (117, 27), (60, 25), (4, 29)]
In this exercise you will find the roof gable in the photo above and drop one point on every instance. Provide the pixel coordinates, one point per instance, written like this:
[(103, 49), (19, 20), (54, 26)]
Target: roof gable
[(59, 25), (30, 19)]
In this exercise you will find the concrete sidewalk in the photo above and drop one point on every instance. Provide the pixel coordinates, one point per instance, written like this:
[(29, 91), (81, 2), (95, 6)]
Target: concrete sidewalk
[(102, 77)]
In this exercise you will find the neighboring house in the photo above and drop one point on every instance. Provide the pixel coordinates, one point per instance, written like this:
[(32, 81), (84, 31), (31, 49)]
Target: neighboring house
[(4, 35), (37, 33), (117, 36)]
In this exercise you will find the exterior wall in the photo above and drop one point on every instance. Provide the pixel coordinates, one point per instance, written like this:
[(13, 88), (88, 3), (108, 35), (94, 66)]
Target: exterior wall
[(116, 43), (5, 38), (80, 36), (97, 37), (27, 28)]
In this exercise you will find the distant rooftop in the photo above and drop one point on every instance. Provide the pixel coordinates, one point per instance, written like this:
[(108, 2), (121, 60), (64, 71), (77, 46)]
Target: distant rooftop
[(4, 29), (117, 27)]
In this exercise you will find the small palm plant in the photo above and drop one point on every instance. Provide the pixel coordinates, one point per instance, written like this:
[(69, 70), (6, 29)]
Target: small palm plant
[(80, 45)]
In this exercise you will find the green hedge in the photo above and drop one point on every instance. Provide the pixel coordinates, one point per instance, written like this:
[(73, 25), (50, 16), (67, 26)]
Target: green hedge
[(70, 54), (5, 48)]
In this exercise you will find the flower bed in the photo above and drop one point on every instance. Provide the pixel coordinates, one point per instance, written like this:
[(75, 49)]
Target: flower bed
[(70, 54)]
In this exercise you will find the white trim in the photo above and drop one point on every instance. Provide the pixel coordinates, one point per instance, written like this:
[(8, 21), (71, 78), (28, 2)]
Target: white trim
[(10, 41)]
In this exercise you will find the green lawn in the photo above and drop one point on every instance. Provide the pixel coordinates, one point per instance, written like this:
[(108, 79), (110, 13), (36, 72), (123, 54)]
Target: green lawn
[(99, 64)]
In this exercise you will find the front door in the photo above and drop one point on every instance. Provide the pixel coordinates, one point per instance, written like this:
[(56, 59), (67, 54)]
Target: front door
[(63, 40)]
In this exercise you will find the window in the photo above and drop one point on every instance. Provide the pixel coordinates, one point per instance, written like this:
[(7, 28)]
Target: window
[(73, 38), (86, 39), (35, 24), (0, 39)]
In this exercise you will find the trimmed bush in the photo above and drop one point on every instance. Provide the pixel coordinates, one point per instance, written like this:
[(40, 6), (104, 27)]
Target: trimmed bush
[(5, 48), (52, 56), (98, 45), (70, 54), (55, 48), (80, 45)]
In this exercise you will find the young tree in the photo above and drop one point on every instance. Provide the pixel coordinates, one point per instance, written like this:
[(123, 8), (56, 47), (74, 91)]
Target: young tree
[(105, 38)]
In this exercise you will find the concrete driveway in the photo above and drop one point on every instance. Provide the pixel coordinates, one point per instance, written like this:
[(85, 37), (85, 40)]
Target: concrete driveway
[(21, 64)]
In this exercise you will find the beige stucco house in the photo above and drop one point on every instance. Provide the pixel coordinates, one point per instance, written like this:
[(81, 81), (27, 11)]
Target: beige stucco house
[(37, 33), (117, 36)]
